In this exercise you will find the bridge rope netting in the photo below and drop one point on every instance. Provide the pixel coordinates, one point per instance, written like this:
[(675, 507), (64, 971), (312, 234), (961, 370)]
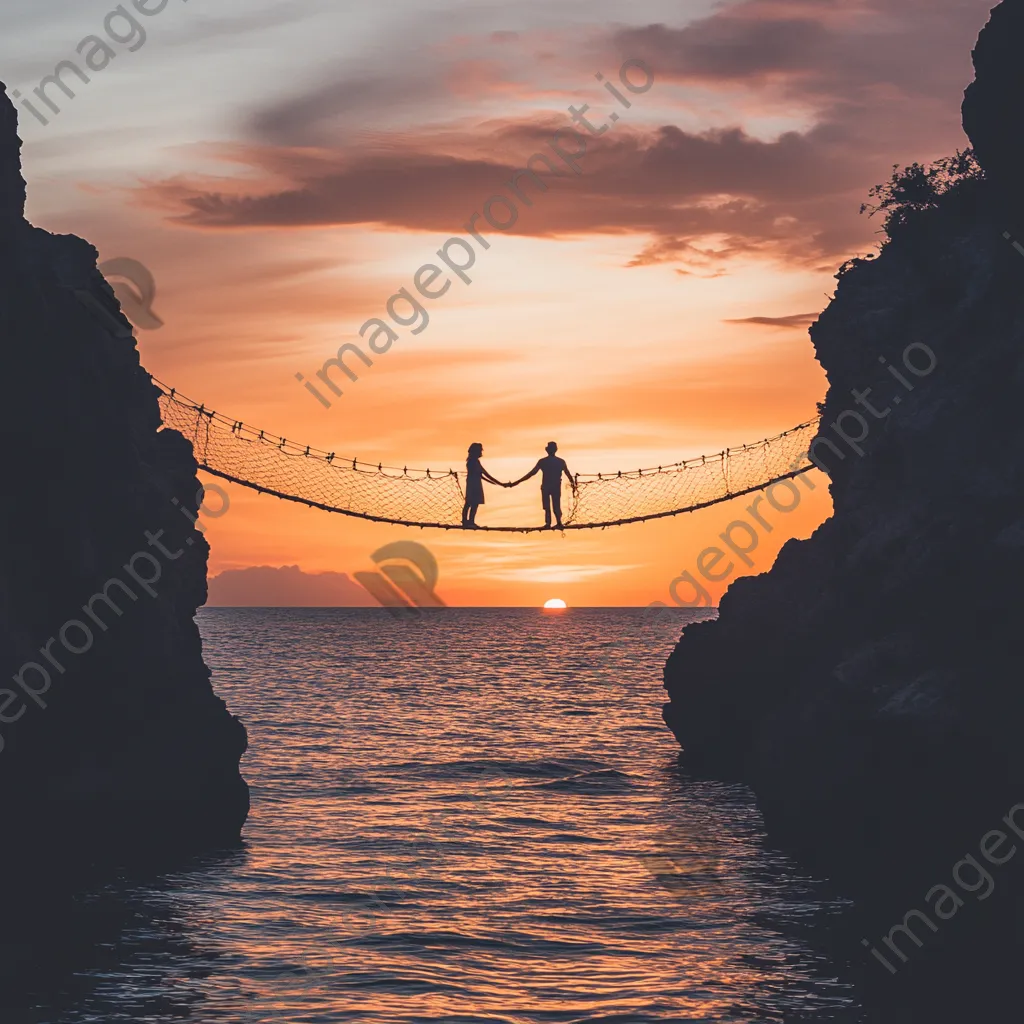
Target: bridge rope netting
[(254, 458)]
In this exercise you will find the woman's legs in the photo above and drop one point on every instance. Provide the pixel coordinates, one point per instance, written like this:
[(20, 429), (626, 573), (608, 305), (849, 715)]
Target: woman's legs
[(469, 514)]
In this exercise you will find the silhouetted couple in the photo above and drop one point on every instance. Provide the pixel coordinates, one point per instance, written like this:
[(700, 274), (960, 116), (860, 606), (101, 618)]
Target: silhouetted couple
[(551, 468)]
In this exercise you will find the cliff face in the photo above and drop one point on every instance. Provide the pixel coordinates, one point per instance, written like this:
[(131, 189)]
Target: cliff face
[(111, 732), (869, 687)]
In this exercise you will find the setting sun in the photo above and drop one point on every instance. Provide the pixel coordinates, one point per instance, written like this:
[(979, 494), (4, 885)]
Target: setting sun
[(555, 602)]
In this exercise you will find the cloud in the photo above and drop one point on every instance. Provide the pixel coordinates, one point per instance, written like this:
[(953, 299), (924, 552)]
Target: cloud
[(795, 320), (863, 84), (431, 78), (309, 116), (737, 193), (829, 52), (558, 573)]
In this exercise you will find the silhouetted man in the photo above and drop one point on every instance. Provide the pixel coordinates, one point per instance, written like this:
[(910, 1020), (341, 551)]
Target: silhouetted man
[(551, 469)]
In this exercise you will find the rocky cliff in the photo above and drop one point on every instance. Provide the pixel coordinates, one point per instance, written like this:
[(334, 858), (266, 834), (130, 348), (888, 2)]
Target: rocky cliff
[(110, 732), (869, 687)]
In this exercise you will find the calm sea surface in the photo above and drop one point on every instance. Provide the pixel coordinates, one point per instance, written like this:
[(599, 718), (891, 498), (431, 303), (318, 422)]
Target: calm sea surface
[(460, 816)]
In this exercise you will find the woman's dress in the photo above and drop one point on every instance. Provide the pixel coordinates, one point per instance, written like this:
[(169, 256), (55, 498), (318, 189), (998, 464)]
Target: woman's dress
[(474, 482)]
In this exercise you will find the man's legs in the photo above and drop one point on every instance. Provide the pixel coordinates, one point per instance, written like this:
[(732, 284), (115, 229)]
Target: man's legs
[(552, 501)]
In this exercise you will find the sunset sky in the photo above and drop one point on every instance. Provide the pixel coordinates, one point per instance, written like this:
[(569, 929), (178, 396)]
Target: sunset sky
[(284, 168)]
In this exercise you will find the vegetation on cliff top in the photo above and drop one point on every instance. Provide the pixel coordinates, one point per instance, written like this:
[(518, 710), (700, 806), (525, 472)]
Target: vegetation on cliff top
[(917, 188), (915, 191)]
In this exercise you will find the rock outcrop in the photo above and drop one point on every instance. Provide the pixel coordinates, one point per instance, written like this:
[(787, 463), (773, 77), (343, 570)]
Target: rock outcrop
[(993, 108), (112, 737), (870, 687)]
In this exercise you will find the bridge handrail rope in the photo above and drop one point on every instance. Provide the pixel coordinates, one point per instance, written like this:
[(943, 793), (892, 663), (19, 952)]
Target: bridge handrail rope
[(426, 498)]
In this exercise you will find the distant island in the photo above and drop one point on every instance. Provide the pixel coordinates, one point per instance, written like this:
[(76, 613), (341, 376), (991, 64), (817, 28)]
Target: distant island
[(286, 586)]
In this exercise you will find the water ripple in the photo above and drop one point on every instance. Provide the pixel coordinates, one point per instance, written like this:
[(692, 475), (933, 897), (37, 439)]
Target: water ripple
[(471, 817)]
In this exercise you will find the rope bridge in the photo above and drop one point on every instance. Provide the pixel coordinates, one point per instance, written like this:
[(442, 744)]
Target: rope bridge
[(234, 451)]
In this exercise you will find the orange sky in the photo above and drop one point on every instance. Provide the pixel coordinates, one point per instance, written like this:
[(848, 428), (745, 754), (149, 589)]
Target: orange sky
[(283, 170)]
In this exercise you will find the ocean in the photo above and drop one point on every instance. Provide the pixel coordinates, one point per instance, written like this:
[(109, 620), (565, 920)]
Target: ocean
[(458, 815)]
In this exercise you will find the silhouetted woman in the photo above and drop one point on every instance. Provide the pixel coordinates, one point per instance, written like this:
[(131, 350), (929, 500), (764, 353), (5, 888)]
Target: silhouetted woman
[(475, 477)]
